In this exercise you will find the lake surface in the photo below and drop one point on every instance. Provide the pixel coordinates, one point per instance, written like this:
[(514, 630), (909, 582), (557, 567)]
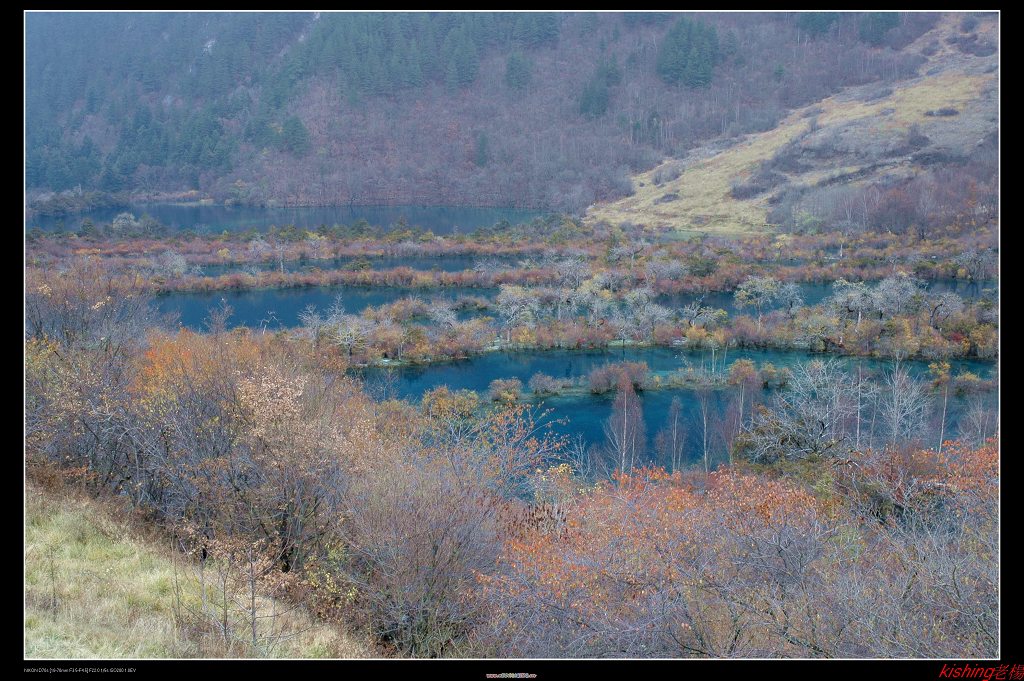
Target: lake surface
[(814, 293), (253, 307), (208, 219), (425, 263), (275, 308), (584, 415), (576, 415)]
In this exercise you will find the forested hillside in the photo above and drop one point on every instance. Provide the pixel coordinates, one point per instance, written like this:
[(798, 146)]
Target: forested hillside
[(524, 109), (513, 335), (916, 156)]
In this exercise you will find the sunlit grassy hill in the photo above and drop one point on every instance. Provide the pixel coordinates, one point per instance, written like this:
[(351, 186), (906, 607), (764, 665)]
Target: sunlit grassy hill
[(861, 136), (96, 588)]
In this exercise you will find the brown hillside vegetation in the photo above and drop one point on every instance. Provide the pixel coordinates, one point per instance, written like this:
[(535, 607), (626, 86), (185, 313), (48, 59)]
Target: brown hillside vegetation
[(99, 584), (862, 136), (292, 108)]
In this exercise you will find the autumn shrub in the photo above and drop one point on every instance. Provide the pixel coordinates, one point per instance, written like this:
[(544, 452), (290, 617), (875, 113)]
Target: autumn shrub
[(505, 390), (443, 403), (542, 384), (407, 554), (605, 378), (706, 570), (417, 533), (772, 376), (668, 334), (747, 333), (661, 589)]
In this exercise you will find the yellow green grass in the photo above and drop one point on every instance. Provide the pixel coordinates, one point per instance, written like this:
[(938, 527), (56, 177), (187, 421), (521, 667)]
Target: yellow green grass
[(705, 204), (942, 51), (94, 588)]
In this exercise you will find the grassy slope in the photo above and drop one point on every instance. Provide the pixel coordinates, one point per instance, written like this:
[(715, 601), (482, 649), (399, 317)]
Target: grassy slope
[(96, 589), (705, 204)]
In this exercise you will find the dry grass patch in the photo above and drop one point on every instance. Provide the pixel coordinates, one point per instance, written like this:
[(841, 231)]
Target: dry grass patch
[(704, 202), (96, 588)]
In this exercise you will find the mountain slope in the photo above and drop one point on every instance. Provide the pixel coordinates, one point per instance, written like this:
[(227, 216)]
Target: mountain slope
[(863, 137), (96, 589), (539, 110)]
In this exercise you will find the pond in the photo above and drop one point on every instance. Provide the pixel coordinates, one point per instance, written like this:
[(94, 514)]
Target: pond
[(814, 293), (579, 414), (211, 218), (582, 414), (275, 308), (426, 263), (253, 307)]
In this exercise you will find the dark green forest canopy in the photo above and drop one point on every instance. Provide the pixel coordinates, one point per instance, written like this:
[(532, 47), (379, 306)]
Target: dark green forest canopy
[(689, 53), (142, 55), (181, 101)]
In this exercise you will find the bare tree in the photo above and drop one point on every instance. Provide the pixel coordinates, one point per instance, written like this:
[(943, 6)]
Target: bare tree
[(312, 324), (350, 333), (700, 315), (517, 305), (808, 419), (898, 294), (978, 422), (572, 271), (850, 298), (442, 314), (624, 430), (171, 264), (670, 442), (758, 293), (904, 405), (790, 298), (259, 249), (942, 306), (703, 395), (976, 264)]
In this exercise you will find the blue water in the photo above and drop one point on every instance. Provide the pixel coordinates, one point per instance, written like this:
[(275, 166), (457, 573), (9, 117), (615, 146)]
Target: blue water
[(215, 218), (276, 308), (585, 414), (253, 307), (813, 294), (582, 415), (425, 263)]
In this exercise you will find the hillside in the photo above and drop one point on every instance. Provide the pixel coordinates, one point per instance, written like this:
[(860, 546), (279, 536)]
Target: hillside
[(97, 587), (893, 156), (537, 336), (539, 110)]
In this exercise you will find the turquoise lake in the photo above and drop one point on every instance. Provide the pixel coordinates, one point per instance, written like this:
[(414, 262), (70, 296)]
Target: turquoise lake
[(584, 414)]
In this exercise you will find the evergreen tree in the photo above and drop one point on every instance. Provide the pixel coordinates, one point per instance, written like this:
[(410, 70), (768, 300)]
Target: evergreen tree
[(688, 54), (816, 23), (594, 99), (295, 137), (608, 70), (874, 25), (483, 151), (595, 96), (467, 63), (518, 71)]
